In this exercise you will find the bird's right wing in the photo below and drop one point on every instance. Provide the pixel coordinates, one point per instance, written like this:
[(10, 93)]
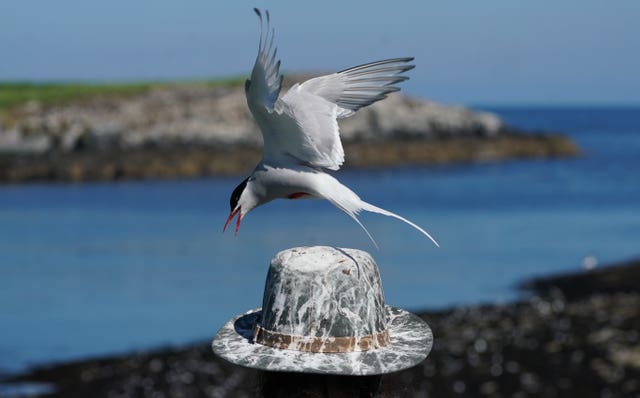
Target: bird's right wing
[(264, 87)]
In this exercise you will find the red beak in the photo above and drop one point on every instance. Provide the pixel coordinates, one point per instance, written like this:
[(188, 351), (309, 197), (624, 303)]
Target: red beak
[(233, 213)]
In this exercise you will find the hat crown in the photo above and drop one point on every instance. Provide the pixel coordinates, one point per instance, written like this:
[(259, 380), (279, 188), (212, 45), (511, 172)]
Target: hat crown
[(323, 292)]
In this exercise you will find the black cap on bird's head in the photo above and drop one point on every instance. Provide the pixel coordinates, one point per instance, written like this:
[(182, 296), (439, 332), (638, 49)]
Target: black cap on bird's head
[(235, 195), (235, 207)]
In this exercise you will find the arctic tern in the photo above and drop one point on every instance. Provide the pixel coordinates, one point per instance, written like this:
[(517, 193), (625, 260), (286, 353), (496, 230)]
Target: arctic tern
[(300, 131)]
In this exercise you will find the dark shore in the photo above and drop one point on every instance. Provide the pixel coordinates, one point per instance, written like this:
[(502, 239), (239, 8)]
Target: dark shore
[(576, 335), (194, 161), (200, 129)]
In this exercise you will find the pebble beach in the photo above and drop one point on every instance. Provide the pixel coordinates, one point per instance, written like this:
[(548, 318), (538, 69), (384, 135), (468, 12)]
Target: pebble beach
[(573, 335)]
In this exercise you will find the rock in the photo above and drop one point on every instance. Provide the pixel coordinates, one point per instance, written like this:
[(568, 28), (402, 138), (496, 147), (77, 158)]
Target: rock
[(217, 117), (14, 141), (616, 278), (188, 117), (399, 116), (587, 347)]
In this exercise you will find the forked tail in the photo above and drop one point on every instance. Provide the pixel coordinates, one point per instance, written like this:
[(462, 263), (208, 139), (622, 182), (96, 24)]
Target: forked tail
[(353, 213), (374, 209)]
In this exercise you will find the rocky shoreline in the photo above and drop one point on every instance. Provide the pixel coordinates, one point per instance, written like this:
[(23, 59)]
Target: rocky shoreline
[(193, 130), (147, 163), (576, 336)]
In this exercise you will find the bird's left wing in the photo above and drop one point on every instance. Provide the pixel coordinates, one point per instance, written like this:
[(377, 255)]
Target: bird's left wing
[(359, 86), (264, 87), (305, 130), (314, 106), (302, 127)]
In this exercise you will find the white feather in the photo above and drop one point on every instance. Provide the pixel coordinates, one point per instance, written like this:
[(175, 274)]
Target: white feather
[(266, 80), (301, 127), (300, 130), (271, 183)]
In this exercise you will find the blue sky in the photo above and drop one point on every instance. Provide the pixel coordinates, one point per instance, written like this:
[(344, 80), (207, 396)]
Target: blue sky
[(469, 52)]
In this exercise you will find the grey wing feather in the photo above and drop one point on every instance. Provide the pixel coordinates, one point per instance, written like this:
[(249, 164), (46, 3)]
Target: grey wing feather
[(266, 81), (362, 85), (316, 104)]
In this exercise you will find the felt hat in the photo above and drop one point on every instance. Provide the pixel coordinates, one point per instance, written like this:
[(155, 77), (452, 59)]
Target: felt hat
[(323, 311)]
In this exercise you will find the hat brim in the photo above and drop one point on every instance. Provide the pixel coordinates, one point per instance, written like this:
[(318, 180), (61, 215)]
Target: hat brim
[(411, 340)]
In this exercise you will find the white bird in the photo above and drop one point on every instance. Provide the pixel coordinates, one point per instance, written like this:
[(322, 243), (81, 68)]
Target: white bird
[(300, 131)]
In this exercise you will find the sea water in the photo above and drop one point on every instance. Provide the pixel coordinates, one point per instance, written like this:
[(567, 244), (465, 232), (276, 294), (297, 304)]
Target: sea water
[(102, 268)]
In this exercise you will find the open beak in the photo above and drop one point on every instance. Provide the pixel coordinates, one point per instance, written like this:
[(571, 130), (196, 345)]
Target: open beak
[(233, 213)]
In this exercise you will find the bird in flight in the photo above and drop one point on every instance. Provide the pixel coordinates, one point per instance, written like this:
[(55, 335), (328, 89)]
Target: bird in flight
[(301, 135)]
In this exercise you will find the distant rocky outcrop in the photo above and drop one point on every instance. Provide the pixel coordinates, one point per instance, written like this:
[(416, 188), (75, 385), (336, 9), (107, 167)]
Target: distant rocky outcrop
[(197, 129)]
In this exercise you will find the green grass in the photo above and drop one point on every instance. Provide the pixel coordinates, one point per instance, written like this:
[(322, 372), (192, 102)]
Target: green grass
[(13, 94)]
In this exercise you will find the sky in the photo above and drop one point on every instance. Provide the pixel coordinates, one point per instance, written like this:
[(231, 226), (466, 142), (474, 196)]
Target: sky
[(467, 52)]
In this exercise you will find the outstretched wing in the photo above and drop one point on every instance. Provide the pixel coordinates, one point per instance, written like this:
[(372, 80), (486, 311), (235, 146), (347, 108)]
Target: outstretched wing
[(354, 88), (302, 126), (315, 105), (264, 87)]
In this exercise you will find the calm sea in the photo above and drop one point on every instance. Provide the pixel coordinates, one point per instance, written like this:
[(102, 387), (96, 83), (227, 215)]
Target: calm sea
[(95, 269)]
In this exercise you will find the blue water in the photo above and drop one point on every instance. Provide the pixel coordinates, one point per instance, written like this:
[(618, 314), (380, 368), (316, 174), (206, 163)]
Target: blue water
[(95, 269)]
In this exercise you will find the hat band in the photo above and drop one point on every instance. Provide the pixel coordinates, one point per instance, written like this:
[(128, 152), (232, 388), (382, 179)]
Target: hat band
[(320, 344)]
